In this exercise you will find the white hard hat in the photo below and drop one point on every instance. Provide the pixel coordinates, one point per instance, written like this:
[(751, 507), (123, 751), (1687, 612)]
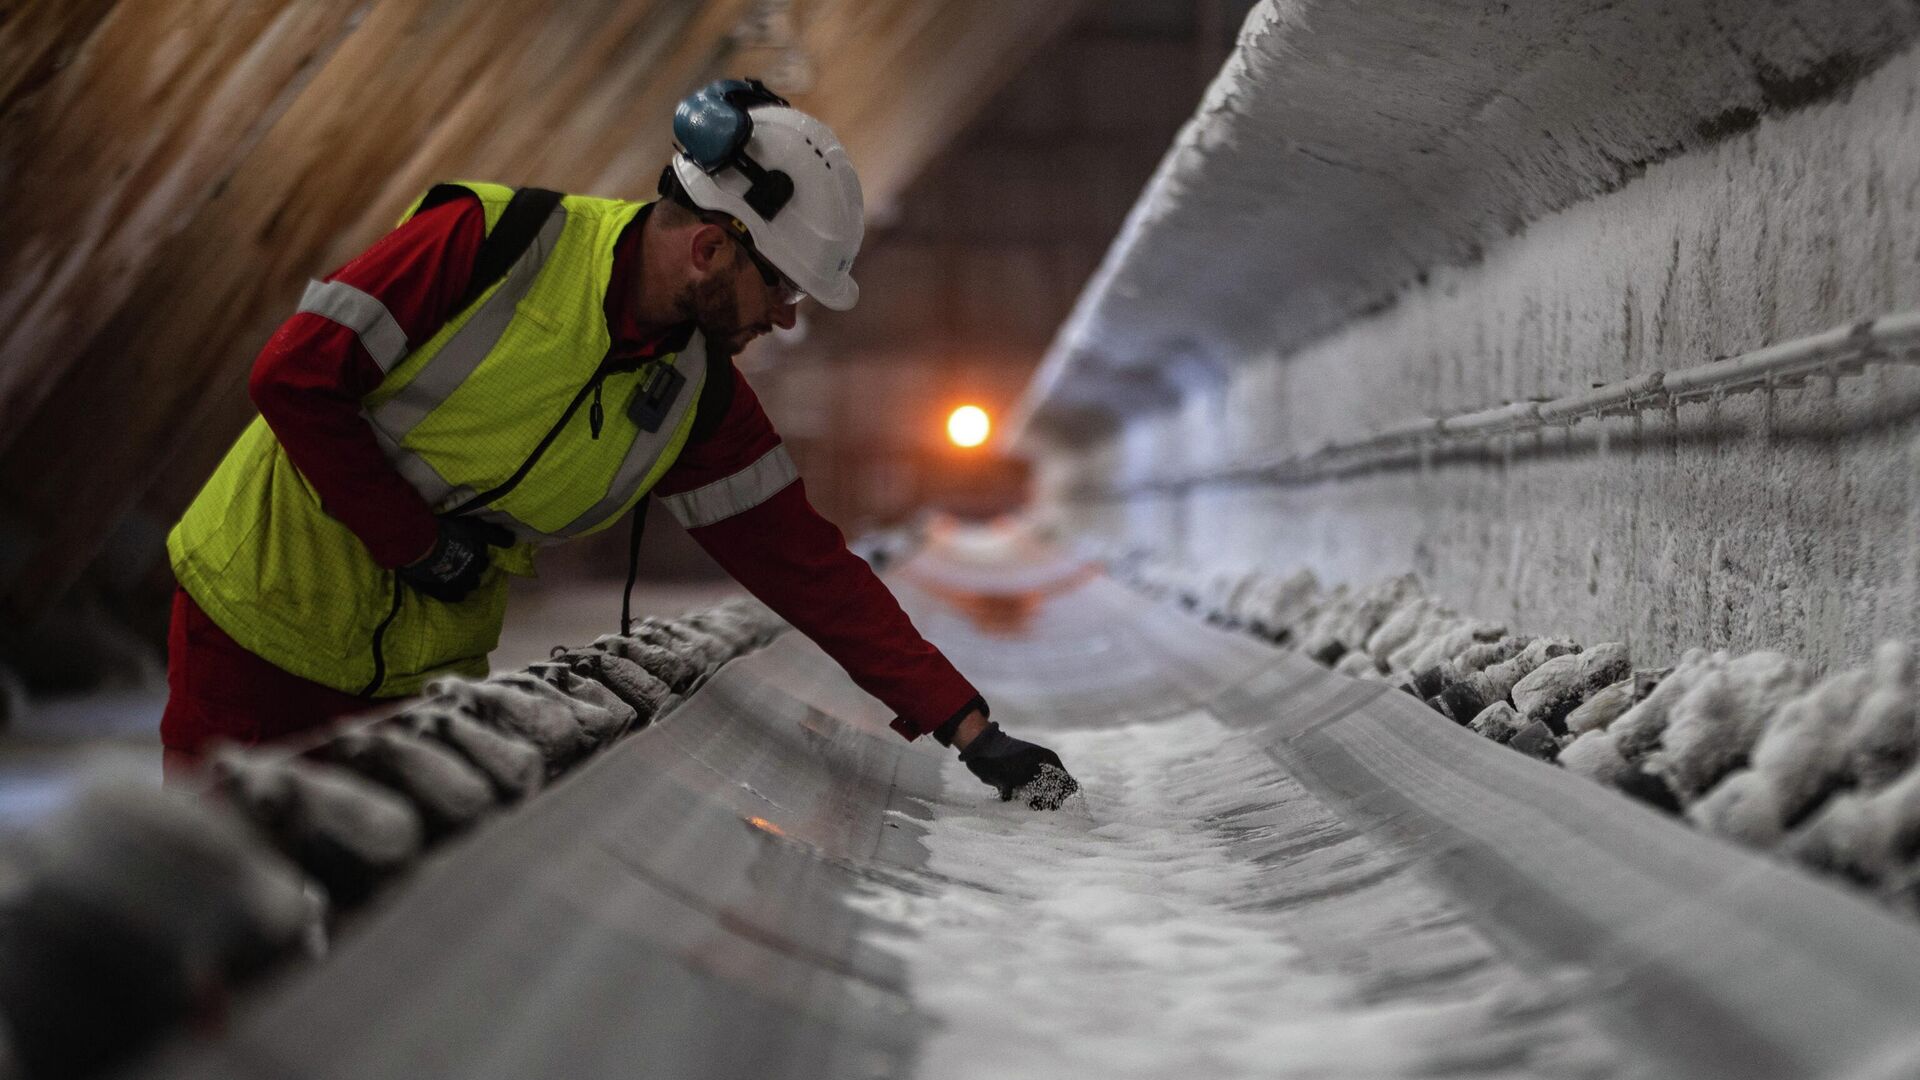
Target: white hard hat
[(810, 235)]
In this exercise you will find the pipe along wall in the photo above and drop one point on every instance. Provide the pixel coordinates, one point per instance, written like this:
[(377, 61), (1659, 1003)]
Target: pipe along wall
[(1556, 230)]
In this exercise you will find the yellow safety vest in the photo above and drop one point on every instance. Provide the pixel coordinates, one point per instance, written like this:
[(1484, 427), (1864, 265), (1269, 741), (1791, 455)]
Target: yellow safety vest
[(510, 413)]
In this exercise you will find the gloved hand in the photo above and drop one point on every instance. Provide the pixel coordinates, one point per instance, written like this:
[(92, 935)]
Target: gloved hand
[(1008, 764), (453, 568)]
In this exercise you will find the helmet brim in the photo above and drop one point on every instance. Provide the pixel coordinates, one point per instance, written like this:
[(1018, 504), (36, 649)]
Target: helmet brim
[(841, 298)]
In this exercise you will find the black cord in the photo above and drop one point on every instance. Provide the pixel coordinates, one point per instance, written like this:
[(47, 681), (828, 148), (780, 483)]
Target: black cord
[(633, 563)]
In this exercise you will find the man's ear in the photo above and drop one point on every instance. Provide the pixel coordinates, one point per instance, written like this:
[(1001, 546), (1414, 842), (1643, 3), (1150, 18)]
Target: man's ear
[(707, 249)]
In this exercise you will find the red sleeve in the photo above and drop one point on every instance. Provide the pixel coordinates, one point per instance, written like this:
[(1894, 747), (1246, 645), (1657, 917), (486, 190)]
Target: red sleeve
[(773, 542), (309, 380)]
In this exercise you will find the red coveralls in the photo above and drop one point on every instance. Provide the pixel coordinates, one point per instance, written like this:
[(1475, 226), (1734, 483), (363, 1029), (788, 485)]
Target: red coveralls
[(308, 383)]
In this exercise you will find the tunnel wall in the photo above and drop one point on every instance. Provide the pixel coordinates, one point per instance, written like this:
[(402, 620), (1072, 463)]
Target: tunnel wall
[(1782, 519)]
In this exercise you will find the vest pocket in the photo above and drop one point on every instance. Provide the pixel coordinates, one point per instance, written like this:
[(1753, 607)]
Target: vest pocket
[(534, 311), (428, 638), (287, 582), (324, 594)]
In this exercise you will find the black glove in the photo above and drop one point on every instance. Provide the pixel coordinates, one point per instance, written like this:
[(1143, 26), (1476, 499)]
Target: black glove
[(1007, 764), (453, 568)]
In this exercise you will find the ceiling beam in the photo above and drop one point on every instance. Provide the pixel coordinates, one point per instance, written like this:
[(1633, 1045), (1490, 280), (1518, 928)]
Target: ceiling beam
[(125, 134), (39, 39), (898, 81)]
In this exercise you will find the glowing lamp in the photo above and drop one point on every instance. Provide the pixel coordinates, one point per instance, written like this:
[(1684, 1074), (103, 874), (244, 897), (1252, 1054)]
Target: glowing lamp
[(968, 426)]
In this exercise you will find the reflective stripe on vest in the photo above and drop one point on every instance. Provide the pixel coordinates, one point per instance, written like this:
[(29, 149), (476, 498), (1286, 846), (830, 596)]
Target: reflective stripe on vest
[(646, 448), (464, 351), (735, 494), (419, 472), (641, 456)]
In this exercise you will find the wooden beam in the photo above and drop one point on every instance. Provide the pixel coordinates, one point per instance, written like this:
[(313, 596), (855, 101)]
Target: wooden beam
[(39, 39), (178, 349), (125, 137), (899, 81)]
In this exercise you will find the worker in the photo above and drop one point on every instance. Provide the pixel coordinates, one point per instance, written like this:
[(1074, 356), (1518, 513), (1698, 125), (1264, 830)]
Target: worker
[(509, 369)]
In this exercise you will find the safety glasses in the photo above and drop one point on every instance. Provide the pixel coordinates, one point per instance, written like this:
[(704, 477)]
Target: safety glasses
[(785, 292)]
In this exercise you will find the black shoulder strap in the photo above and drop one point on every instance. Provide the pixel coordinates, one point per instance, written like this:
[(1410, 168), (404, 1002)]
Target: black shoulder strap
[(440, 194), (716, 397), (519, 223)]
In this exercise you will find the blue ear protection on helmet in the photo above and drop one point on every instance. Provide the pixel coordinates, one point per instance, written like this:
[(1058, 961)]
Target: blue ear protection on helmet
[(712, 127)]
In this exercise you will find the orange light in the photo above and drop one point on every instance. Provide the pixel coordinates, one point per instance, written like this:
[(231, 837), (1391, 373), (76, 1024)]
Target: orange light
[(968, 426)]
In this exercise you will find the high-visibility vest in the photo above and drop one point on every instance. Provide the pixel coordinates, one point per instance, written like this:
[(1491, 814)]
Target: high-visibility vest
[(511, 413)]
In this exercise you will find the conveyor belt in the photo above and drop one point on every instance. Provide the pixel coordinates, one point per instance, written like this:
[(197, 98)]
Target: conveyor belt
[(766, 885)]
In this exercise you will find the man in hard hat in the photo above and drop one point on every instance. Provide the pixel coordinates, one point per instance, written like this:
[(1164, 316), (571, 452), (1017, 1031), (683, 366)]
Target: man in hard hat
[(509, 369)]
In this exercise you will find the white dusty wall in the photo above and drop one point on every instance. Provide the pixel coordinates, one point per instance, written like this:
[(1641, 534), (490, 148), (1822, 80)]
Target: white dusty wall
[(1789, 519)]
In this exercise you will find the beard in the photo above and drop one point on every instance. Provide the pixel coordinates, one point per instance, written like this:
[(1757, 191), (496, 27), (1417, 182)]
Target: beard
[(715, 305)]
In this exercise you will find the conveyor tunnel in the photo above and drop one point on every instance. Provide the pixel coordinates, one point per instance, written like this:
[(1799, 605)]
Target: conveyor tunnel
[(1274, 871), (1450, 501)]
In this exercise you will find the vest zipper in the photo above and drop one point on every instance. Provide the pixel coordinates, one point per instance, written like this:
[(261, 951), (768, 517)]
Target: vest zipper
[(379, 633), (605, 369)]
